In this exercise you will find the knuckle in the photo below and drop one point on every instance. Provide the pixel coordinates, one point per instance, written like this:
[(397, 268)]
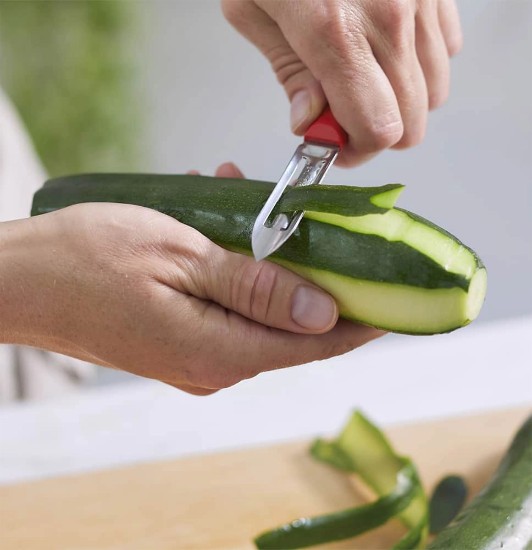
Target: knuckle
[(395, 15), (215, 375), (383, 136), (387, 136), (192, 263), (255, 289), (398, 31), (338, 348), (195, 254), (455, 44), (411, 137), (335, 25), (223, 376), (262, 291), (286, 64), (330, 24), (408, 140), (437, 99)]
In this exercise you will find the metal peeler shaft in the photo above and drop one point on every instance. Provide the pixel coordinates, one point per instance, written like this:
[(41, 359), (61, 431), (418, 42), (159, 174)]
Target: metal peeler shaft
[(308, 166)]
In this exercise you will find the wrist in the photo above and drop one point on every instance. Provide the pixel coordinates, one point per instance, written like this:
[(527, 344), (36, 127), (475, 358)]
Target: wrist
[(17, 246)]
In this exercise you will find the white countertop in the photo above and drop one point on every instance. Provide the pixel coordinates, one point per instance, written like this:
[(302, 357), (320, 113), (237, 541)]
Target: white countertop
[(397, 379)]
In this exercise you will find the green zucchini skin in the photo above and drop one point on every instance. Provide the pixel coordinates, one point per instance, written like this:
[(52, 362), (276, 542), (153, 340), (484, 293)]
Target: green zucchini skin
[(447, 500), (376, 281), (500, 516), (304, 532), (362, 449)]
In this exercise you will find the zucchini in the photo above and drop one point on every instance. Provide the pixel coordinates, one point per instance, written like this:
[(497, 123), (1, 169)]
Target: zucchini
[(304, 532), (500, 516), (447, 500), (386, 267), (362, 449)]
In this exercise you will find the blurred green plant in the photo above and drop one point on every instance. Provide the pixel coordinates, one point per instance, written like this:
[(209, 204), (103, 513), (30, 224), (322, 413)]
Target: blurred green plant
[(69, 68)]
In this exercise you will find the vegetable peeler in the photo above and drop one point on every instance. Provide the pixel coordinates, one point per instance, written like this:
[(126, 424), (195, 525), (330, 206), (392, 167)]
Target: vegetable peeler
[(323, 140)]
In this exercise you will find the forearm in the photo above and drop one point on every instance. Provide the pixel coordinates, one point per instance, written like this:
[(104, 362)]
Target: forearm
[(19, 308), (13, 280)]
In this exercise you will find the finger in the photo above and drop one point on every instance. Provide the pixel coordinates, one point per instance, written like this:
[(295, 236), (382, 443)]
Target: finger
[(218, 348), (228, 170), (432, 53), (394, 48), (246, 349), (279, 349), (451, 29), (339, 56), (304, 92), (261, 291), (266, 293), (193, 390), (370, 113), (193, 173)]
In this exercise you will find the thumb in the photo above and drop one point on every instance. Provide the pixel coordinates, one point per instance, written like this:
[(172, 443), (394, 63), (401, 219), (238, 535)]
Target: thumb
[(307, 99), (267, 293)]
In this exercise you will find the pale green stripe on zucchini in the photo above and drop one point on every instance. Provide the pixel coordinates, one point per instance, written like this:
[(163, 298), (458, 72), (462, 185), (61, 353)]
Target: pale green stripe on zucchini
[(374, 300), (400, 226), (387, 199), (403, 307)]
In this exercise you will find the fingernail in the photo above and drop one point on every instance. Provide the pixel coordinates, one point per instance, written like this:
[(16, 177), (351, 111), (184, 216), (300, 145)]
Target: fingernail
[(313, 309), (299, 109)]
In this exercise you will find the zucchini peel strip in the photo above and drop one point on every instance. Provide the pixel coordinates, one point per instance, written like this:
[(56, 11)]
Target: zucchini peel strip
[(361, 448)]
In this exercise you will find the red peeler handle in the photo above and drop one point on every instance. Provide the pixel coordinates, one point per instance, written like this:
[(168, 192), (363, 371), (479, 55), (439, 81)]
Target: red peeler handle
[(325, 129)]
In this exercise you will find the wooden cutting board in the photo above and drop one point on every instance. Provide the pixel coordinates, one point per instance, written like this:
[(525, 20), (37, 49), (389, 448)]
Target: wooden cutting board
[(223, 500)]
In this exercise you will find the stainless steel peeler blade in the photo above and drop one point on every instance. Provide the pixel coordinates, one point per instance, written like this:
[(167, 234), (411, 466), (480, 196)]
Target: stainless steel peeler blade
[(308, 166)]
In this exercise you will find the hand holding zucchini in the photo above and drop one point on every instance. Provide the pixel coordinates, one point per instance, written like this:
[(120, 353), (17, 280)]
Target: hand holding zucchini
[(385, 266)]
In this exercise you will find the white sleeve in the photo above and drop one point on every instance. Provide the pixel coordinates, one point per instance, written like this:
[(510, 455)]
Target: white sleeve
[(21, 172)]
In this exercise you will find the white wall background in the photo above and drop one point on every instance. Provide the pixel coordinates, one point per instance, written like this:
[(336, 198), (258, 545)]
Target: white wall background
[(212, 98)]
